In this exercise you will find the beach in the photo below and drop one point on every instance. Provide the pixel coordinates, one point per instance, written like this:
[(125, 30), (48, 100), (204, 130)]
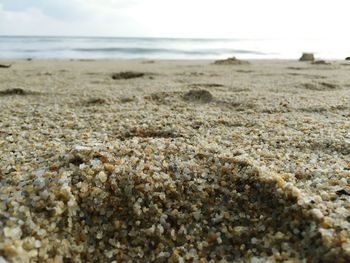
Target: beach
[(174, 161)]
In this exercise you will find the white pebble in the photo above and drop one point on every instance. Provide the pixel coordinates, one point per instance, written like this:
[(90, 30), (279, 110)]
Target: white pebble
[(14, 233), (102, 176), (317, 213)]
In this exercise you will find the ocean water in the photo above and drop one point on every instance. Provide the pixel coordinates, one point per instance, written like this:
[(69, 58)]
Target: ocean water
[(41, 47)]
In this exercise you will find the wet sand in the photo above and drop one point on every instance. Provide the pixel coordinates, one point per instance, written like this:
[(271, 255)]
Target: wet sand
[(174, 161)]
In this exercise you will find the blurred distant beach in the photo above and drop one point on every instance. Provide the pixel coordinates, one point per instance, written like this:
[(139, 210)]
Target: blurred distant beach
[(45, 47)]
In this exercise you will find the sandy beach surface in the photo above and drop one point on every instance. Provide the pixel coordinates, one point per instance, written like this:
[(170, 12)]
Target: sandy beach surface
[(174, 161)]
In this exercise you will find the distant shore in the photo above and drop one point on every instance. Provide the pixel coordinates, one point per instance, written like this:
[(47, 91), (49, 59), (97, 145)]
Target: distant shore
[(23, 47)]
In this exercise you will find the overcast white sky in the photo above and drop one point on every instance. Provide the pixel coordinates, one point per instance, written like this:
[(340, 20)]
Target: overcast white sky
[(178, 18)]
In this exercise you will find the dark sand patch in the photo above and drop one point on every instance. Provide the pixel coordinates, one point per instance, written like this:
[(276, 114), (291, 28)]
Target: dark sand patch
[(310, 76), (17, 91), (127, 99), (93, 73), (233, 89), (340, 107), (5, 66), (231, 61), (202, 96), (320, 62), (150, 133), (205, 85), (191, 74), (85, 60), (244, 71), (97, 82), (127, 75), (313, 109), (297, 68), (163, 97), (321, 86), (96, 101), (49, 74), (237, 105)]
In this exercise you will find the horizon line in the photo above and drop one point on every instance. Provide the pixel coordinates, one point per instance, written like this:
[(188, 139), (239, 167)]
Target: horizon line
[(155, 37)]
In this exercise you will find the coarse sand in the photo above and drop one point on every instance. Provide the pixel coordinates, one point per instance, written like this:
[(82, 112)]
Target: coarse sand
[(174, 161)]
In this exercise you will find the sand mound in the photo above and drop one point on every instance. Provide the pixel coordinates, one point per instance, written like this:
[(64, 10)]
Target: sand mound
[(231, 61), (147, 200)]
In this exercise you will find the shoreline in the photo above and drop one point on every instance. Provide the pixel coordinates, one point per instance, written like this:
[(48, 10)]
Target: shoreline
[(295, 59)]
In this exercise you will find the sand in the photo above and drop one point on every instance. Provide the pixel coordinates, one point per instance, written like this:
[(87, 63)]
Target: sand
[(177, 161)]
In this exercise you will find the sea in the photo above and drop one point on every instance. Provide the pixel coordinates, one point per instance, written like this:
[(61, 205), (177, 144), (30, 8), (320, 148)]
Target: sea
[(53, 47)]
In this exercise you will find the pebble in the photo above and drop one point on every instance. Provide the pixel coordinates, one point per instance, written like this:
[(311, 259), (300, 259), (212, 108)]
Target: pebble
[(102, 177), (317, 213), (13, 233)]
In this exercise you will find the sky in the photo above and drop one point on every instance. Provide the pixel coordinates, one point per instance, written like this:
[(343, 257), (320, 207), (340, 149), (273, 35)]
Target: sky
[(315, 19)]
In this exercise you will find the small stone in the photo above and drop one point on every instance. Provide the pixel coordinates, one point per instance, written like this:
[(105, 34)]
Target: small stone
[(344, 191), (279, 235), (317, 213), (212, 237), (9, 250), (37, 244), (109, 167), (150, 231), (325, 196), (14, 233), (99, 235), (10, 139), (307, 57), (81, 148), (174, 258), (253, 241), (102, 177)]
